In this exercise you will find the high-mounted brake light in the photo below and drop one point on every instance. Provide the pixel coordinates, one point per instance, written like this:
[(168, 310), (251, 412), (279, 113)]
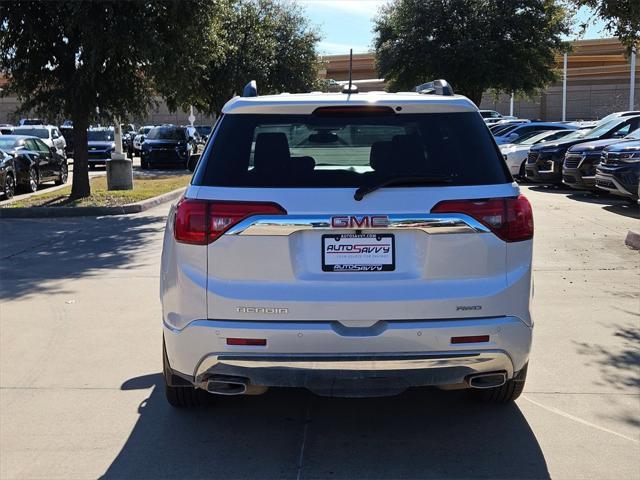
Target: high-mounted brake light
[(354, 111), (511, 219), (200, 222)]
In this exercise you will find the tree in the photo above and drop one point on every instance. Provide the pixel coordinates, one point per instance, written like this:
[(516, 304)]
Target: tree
[(505, 45), (267, 41), (622, 18), (87, 60)]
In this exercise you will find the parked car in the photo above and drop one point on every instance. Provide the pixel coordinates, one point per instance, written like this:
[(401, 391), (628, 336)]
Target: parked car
[(35, 162), (194, 138), (49, 134), (505, 126), (128, 134), (491, 116), (544, 163), (350, 247), (204, 131), (139, 138), (30, 121), (579, 167), (617, 115), (619, 170), (7, 175), (100, 145), (167, 144), (6, 129), (515, 154), (530, 127), (66, 130)]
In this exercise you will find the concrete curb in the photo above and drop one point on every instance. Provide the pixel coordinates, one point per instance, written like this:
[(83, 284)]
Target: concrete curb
[(50, 212), (633, 239), (48, 189)]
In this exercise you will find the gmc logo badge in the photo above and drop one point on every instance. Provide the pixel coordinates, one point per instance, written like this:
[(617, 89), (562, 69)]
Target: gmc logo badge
[(360, 221)]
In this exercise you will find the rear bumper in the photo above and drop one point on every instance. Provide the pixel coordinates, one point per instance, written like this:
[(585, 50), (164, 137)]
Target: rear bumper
[(163, 157), (323, 356), (99, 159)]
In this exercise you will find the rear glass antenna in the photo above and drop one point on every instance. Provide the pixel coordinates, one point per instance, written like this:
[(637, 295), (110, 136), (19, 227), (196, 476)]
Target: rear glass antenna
[(350, 66), (350, 88)]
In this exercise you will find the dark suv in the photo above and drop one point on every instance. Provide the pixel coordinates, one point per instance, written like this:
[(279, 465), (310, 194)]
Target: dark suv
[(544, 163), (167, 144), (579, 168), (619, 170)]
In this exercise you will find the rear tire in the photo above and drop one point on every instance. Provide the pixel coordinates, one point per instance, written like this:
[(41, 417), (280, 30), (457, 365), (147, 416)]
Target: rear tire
[(33, 181), (144, 165), (64, 174), (522, 172), (181, 397), (506, 393), (9, 186)]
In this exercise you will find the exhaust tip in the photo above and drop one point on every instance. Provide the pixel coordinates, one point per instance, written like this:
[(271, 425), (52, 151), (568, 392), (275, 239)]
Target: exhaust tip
[(487, 380), (226, 386)]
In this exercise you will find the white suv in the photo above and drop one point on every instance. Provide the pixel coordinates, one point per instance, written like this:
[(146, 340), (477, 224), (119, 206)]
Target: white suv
[(49, 134), (350, 244)]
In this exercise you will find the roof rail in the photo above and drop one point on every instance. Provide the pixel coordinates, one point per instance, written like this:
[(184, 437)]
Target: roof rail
[(437, 87), (250, 89)]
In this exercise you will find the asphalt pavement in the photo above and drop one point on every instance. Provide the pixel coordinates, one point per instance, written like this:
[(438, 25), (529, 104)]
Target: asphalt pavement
[(81, 390)]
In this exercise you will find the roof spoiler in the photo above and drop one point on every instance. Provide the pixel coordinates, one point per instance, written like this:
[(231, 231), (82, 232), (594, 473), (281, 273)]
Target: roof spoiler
[(437, 87), (250, 89)]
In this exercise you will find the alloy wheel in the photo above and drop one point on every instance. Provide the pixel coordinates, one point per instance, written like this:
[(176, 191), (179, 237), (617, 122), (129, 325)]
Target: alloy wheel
[(64, 173), (9, 186), (33, 180)]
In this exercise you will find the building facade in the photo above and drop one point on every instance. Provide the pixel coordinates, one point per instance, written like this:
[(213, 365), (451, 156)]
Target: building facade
[(598, 76)]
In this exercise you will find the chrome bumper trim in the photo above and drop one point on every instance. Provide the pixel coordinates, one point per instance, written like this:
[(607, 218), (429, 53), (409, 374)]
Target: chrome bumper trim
[(284, 225), (244, 365)]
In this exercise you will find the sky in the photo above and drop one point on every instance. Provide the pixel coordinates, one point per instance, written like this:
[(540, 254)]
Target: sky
[(348, 24)]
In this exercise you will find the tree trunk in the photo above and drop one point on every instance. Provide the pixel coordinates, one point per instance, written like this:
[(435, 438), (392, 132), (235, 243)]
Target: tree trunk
[(80, 187)]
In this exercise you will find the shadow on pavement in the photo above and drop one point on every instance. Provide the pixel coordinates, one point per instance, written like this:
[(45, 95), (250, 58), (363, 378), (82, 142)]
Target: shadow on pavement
[(35, 253), (609, 202), (619, 364), (290, 433)]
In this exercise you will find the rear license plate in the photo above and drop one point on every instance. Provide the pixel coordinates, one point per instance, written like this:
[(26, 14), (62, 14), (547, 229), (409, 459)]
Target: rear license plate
[(358, 253)]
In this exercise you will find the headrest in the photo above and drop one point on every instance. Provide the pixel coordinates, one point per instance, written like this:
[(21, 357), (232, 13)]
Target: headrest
[(303, 164), (380, 156), (271, 151)]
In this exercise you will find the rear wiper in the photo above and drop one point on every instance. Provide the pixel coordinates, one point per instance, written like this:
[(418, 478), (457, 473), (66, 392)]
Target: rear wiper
[(407, 180)]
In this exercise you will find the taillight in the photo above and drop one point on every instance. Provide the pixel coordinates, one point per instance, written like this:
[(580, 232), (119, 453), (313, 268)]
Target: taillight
[(511, 219), (200, 222)]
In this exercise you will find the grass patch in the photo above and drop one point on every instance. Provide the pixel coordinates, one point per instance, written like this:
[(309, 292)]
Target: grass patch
[(143, 188)]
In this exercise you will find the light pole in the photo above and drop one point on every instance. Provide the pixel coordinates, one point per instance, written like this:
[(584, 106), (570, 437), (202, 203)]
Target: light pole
[(564, 89), (632, 80), (119, 168)]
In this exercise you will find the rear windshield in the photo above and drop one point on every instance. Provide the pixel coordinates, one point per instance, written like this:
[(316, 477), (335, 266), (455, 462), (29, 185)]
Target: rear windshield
[(349, 151), (167, 133), (34, 132), (100, 135)]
